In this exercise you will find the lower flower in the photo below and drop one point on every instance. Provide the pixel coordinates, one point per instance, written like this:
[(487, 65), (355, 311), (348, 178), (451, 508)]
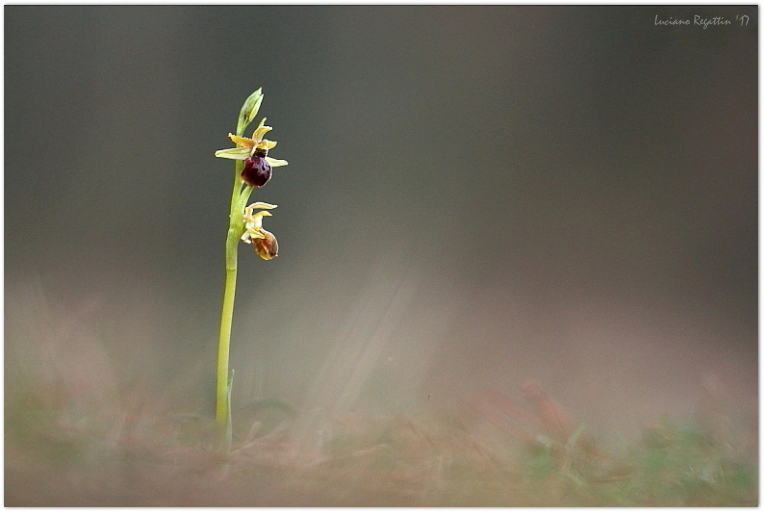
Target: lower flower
[(264, 242)]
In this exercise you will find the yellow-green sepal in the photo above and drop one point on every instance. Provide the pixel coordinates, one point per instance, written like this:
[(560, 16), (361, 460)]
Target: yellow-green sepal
[(238, 153), (274, 162)]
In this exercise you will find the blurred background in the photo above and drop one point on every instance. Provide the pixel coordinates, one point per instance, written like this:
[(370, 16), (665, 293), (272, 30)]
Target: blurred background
[(475, 196)]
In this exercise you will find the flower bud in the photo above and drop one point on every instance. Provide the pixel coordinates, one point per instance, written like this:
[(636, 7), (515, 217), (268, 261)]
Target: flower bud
[(267, 248), (256, 171)]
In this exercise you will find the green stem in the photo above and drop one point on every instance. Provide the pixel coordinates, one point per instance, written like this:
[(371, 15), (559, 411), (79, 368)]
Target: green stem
[(235, 229), (226, 318)]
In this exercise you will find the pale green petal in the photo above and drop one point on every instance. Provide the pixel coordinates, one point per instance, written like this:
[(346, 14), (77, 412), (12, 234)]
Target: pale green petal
[(257, 220), (266, 144), (241, 141), (257, 135), (234, 153), (276, 163)]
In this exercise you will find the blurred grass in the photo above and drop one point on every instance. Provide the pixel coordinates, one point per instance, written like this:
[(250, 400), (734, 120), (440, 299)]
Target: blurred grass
[(86, 425), (57, 455)]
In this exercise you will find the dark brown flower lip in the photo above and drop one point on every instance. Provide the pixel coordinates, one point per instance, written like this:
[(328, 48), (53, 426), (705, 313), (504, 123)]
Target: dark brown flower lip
[(256, 171)]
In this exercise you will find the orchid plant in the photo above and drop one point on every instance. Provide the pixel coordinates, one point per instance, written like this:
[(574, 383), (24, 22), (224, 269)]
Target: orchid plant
[(252, 169)]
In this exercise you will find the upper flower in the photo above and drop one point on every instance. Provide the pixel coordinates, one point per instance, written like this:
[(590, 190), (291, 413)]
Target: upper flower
[(257, 164), (264, 242)]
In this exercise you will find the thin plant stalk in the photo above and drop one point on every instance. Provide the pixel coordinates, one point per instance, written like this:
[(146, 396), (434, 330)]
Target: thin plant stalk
[(222, 394)]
